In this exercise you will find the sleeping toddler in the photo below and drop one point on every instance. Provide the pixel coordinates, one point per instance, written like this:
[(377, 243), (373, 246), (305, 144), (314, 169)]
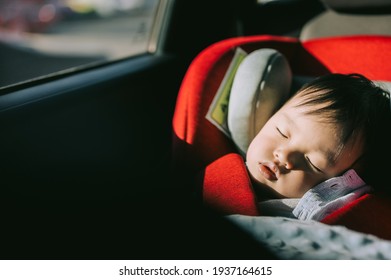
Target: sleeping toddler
[(323, 148)]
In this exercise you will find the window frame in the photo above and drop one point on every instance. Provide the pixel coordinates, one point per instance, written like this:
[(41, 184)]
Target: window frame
[(155, 44)]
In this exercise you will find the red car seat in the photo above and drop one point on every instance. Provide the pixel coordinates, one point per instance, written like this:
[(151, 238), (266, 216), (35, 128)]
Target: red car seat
[(202, 151)]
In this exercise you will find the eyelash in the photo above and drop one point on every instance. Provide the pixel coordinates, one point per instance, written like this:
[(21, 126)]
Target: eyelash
[(313, 166), (282, 134)]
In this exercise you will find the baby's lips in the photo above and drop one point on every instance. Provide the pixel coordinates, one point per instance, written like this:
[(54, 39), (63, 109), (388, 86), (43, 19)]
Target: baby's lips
[(268, 170)]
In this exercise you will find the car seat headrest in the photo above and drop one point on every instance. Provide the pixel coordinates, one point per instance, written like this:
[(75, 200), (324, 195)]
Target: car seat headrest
[(261, 85), (359, 6)]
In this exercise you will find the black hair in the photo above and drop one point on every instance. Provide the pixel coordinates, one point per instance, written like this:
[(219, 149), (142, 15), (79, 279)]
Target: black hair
[(362, 108)]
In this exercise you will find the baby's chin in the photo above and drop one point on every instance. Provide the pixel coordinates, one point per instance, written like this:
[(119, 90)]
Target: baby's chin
[(264, 191)]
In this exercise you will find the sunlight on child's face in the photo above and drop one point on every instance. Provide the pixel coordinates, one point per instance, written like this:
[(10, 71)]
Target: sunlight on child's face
[(295, 151)]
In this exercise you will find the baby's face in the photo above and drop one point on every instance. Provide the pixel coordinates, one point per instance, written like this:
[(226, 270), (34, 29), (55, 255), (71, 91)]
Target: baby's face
[(295, 151)]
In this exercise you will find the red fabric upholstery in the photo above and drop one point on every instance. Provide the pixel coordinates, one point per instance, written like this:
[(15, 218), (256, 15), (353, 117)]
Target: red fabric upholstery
[(231, 193), (199, 146), (370, 214), (368, 55)]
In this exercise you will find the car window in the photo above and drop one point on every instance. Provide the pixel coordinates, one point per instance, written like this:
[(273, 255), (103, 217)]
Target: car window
[(47, 37)]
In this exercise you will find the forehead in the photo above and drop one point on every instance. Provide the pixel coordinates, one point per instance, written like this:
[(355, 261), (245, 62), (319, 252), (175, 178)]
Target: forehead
[(316, 109), (298, 108), (304, 96)]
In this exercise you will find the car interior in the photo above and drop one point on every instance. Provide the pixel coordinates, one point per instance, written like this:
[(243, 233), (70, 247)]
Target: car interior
[(116, 161)]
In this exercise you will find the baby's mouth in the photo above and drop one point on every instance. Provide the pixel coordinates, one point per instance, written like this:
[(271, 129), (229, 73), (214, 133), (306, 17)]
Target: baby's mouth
[(269, 171)]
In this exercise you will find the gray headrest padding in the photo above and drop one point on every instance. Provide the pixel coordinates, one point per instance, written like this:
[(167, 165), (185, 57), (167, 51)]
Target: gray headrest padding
[(261, 85), (331, 23), (384, 85), (357, 5)]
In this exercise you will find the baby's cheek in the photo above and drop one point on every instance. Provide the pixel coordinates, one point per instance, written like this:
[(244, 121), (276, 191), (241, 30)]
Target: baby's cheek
[(295, 184), (311, 180), (254, 151)]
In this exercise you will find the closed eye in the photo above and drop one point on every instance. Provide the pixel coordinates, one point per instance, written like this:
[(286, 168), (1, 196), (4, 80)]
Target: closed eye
[(282, 134), (317, 169)]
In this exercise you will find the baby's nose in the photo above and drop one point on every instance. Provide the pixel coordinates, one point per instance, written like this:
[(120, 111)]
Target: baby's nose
[(288, 159)]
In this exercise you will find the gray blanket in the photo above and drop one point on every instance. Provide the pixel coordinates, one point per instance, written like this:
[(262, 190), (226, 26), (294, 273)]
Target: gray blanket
[(295, 239)]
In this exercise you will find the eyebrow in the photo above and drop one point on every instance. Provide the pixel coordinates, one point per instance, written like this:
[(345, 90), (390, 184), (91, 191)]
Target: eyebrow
[(331, 157)]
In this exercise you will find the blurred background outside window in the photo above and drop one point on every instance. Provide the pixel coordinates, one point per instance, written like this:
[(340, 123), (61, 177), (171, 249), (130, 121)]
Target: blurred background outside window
[(42, 37)]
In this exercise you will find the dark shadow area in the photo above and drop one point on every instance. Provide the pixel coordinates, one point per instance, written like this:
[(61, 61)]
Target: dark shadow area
[(276, 17), (162, 225)]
